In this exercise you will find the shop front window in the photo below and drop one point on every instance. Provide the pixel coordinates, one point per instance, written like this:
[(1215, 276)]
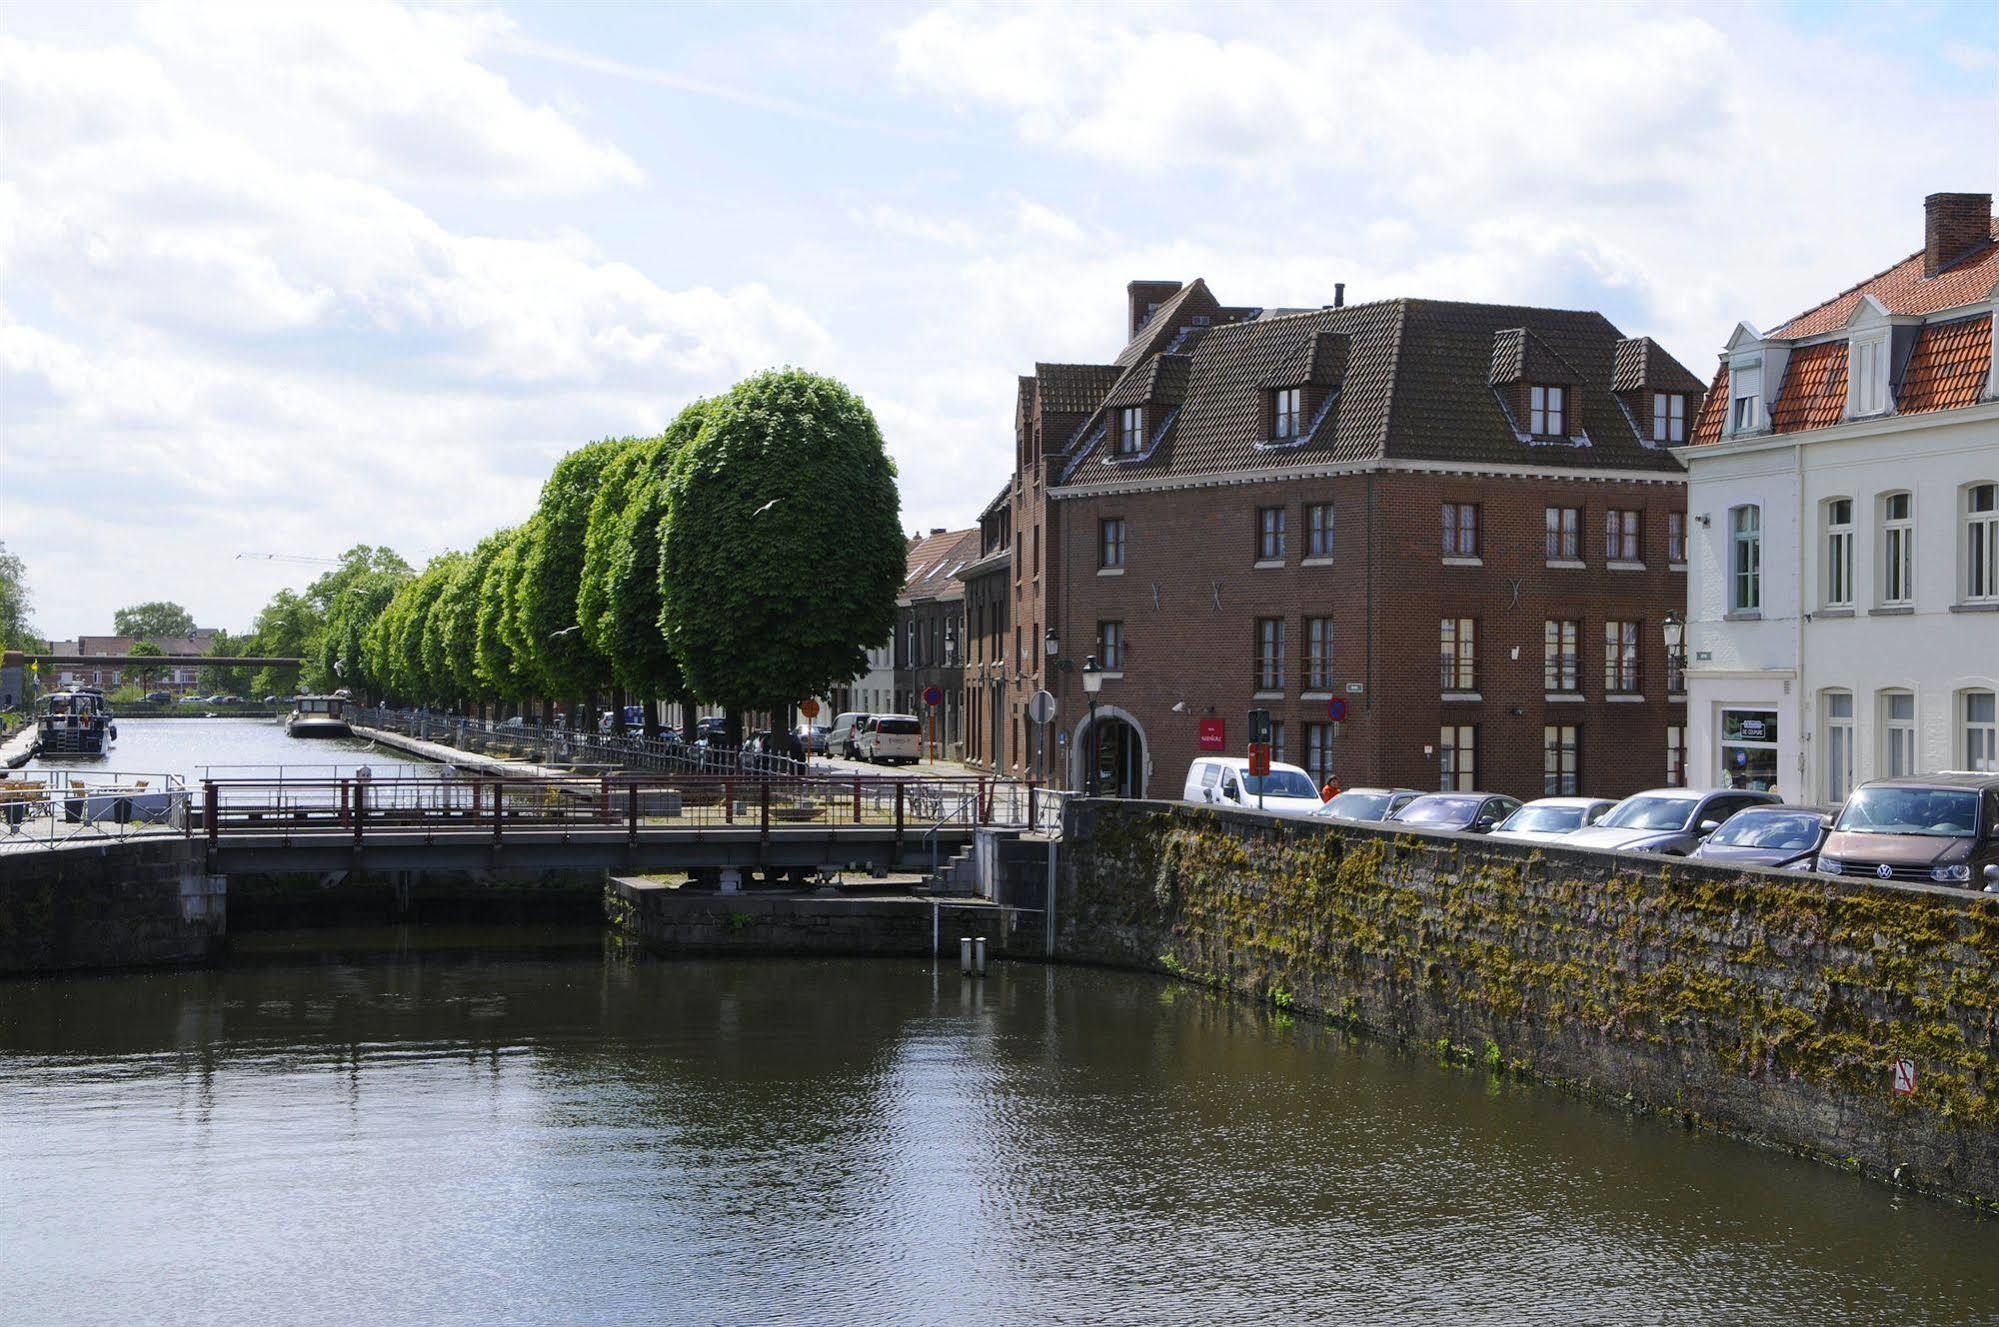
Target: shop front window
[(1749, 749)]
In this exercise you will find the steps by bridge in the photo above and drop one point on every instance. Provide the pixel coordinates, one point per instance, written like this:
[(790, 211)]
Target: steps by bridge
[(956, 875)]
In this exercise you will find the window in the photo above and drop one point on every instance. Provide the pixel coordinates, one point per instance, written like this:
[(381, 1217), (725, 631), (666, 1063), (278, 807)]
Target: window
[(1838, 711), (1131, 430), (1839, 553), (1270, 654), (1676, 536), (1620, 658), (1558, 654), (1620, 536), (1669, 417), (1270, 534), (1318, 654), (1110, 542), (1746, 393), (1558, 760), (1457, 654), (1319, 530), (1676, 755), (1110, 646), (1981, 543), (1319, 752), (1746, 559), (1457, 758), (1565, 533), (1277, 740), (1460, 530), (1544, 411), (1867, 389), (1287, 403), (1898, 734), (1981, 731), (1898, 550)]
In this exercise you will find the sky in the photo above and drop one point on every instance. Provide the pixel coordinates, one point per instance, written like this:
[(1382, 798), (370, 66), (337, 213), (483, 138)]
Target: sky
[(279, 279)]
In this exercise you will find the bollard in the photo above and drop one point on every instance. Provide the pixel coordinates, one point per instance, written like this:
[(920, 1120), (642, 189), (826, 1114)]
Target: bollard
[(979, 955), (965, 954)]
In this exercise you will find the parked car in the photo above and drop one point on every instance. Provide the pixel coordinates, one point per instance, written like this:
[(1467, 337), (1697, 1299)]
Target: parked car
[(1548, 818), (159, 698), (1666, 820), (274, 700), (1942, 828), (193, 700), (1366, 805), (891, 739), (1285, 791), (1468, 813), (814, 738), (1777, 836), (845, 736)]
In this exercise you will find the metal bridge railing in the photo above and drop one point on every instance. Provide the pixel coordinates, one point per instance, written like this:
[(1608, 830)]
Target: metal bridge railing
[(572, 748), (49, 809)]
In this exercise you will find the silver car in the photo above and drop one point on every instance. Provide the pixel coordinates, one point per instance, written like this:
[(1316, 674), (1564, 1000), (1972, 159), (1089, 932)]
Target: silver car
[(1366, 805), (1546, 819), (1665, 820)]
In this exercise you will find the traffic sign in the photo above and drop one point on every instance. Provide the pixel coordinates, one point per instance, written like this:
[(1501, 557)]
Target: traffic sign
[(1259, 758), (809, 708), (1259, 726), (1905, 1078), (1336, 709), (1042, 708), (933, 696)]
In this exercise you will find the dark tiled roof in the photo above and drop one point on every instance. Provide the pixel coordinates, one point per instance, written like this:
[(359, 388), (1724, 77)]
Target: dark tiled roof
[(934, 561), (1414, 387), (1642, 364), (1813, 394), (1074, 389), (1161, 380), (1192, 301), (1520, 356), (1714, 412), (1948, 366), (1903, 289)]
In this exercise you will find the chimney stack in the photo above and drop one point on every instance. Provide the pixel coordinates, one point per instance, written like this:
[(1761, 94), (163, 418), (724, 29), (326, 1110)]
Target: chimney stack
[(1954, 225), (1142, 297), (1339, 294)]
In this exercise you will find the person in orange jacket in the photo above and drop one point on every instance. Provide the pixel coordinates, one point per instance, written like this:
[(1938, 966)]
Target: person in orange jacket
[(1332, 788)]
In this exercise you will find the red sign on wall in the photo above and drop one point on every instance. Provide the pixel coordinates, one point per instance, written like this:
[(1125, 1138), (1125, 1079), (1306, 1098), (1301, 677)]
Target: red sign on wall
[(1214, 735)]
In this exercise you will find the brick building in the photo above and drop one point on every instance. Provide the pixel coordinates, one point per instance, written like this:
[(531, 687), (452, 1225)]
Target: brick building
[(929, 637), (1465, 523), (180, 680)]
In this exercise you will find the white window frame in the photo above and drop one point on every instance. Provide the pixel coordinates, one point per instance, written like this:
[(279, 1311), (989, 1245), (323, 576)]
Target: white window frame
[(1745, 558), (1978, 741), (1836, 578), (1867, 376), (1897, 581), (1745, 397), (1547, 411), (1978, 543), (1898, 734), (1837, 733)]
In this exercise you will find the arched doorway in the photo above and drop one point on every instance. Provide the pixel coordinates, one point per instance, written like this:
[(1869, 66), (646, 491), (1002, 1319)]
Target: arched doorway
[(1117, 745)]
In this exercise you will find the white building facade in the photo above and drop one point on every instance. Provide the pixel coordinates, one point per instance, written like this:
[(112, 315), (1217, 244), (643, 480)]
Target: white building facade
[(1843, 536)]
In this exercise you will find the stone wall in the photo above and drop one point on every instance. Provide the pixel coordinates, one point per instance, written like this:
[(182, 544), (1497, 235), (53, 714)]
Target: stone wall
[(667, 920), (142, 901), (280, 900), (1767, 1005)]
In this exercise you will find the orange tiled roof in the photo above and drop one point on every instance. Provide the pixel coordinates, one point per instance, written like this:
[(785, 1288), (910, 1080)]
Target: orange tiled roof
[(1814, 390), (1714, 412), (1904, 289), (1948, 366)]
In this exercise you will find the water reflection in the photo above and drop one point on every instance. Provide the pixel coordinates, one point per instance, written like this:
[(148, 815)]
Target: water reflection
[(429, 1127)]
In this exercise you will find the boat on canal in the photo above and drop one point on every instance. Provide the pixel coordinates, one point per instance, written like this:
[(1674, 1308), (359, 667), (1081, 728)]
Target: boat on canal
[(318, 716), (74, 725)]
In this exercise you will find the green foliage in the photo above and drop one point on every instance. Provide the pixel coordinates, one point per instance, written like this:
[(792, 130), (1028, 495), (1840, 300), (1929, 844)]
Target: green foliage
[(396, 642), (289, 627), (150, 650), (345, 658), (228, 681), (16, 631), (630, 624), (457, 614), (499, 673), (158, 618), (558, 653), (355, 563), (782, 552)]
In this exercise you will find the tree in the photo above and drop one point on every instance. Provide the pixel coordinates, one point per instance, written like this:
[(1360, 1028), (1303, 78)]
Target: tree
[(492, 648), (356, 562), (457, 614), (782, 550), (147, 672), (16, 632), (551, 569), (395, 642), (288, 627), (344, 656), (228, 681), (158, 618)]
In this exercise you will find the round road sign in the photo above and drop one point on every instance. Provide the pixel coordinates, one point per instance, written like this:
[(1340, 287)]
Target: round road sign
[(933, 696), (1042, 708), (809, 708), (1336, 709)]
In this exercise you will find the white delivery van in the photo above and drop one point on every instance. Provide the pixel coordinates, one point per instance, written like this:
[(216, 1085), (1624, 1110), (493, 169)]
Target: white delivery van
[(845, 737), (892, 739), (1226, 780)]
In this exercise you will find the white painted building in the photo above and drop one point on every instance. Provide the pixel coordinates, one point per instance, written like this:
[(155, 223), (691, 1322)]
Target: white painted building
[(1843, 532)]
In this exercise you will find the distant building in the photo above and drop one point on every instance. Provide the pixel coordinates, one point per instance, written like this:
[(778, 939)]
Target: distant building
[(930, 633), (1844, 487), (179, 680)]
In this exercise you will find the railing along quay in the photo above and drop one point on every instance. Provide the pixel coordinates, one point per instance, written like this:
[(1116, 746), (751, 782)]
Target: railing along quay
[(541, 745), (52, 809)]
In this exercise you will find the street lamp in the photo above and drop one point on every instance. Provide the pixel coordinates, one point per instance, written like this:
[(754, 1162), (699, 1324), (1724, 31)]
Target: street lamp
[(1052, 642), (1093, 682), (1675, 629)]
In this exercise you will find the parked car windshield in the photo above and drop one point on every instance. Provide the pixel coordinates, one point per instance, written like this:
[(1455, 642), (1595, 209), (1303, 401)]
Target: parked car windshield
[(1358, 806), (1279, 783), (1770, 829), (1649, 813), (1941, 812), (1439, 811), (1545, 819)]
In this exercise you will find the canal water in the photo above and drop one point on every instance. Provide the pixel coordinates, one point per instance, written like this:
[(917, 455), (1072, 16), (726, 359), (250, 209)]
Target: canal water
[(231, 748), (477, 1127)]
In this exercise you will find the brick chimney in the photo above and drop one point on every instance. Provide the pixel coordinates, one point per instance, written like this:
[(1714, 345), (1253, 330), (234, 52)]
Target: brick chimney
[(1954, 225), (1142, 297)]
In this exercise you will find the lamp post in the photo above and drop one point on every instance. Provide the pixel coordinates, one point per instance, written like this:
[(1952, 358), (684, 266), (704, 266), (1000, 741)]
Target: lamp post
[(1675, 630), (1093, 682)]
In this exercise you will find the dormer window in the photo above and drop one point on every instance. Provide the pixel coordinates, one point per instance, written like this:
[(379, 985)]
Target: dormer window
[(1669, 417), (1131, 430), (1546, 409), (1867, 376), (1746, 398), (1288, 409)]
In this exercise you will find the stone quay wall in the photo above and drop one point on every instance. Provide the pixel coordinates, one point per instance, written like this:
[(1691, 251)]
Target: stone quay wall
[(1767, 1005), (144, 900), (669, 920)]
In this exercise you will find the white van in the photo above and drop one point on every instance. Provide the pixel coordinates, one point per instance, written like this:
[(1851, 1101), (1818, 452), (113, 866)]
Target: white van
[(845, 737), (1287, 790), (892, 739)]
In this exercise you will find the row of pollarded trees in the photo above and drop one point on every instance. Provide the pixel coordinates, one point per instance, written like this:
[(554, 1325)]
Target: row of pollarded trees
[(745, 558)]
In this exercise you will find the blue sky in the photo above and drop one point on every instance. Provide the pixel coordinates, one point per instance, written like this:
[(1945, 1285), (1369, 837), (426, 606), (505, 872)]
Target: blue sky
[(285, 278)]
